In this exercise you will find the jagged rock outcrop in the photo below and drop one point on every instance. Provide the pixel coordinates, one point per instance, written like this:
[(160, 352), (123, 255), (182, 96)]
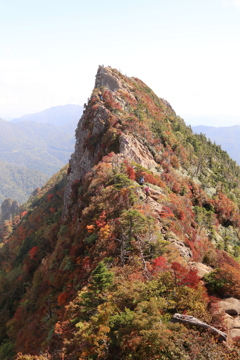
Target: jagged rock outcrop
[(91, 133), (9, 208), (92, 128)]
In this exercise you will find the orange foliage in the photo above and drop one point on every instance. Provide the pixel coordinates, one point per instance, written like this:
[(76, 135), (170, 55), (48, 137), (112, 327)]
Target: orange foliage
[(166, 212), (90, 228), (155, 180), (101, 220), (24, 213)]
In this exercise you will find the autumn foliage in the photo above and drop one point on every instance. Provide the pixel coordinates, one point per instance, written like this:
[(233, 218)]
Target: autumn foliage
[(104, 281)]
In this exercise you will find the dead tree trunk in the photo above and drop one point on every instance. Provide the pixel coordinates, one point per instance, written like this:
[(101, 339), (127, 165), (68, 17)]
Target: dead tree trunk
[(190, 320)]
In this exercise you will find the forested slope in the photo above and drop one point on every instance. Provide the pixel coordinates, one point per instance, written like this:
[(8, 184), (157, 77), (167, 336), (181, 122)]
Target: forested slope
[(42, 147), (18, 182)]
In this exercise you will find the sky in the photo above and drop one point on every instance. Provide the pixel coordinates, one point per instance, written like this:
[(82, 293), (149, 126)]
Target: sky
[(187, 51)]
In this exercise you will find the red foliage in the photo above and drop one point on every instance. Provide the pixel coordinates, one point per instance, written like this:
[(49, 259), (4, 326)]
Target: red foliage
[(101, 220), (181, 215), (166, 212), (224, 258), (159, 264), (155, 180), (62, 298), (131, 173), (185, 276), (33, 252), (49, 197), (176, 187), (21, 232), (226, 210), (199, 246), (86, 262), (109, 101)]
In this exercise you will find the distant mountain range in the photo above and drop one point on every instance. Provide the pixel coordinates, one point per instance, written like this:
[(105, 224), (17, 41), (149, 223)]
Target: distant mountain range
[(227, 137), (63, 116), (213, 120), (36, 145), (39, 141)]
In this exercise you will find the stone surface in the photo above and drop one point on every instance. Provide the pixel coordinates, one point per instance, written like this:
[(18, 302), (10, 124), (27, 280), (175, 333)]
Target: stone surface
[(92, 126), (9, 208), (202, 269), (183, 250), (231, 307)]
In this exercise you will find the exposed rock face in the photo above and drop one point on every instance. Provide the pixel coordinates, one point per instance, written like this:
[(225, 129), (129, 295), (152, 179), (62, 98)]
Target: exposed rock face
[(202, 269), (108, 78), (93, 126), (231, 306), (130, 147), (82, 159), (184, 251), (91, 131), (9, 208)]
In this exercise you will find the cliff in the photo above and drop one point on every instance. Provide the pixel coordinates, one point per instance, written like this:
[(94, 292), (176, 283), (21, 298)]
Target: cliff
[(101, 260)]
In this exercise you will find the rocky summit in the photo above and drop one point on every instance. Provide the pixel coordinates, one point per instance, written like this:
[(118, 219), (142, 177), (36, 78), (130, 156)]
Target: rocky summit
[(133, 249)]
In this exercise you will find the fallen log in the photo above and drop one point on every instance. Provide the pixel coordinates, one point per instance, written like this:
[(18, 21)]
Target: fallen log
[(190, 320)]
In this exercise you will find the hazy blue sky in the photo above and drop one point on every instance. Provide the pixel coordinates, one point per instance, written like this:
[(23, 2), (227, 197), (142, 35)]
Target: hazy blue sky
[(187, 51)]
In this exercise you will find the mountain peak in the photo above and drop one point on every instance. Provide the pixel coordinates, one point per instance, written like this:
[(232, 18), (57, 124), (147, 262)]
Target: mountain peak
[(114, 112), (111, 79), (107, 77)]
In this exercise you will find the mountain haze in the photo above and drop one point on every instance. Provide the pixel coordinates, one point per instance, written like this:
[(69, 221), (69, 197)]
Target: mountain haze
[(212, 120), (34, 147), (42, 147), (102, 266), (59, 116)]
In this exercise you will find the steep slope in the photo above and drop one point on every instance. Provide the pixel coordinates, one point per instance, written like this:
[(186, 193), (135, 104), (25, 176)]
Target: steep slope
[(226, 137), (98, 264)]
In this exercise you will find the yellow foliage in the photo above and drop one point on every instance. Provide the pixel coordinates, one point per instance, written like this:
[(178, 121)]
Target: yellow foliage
[(104, 232)]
